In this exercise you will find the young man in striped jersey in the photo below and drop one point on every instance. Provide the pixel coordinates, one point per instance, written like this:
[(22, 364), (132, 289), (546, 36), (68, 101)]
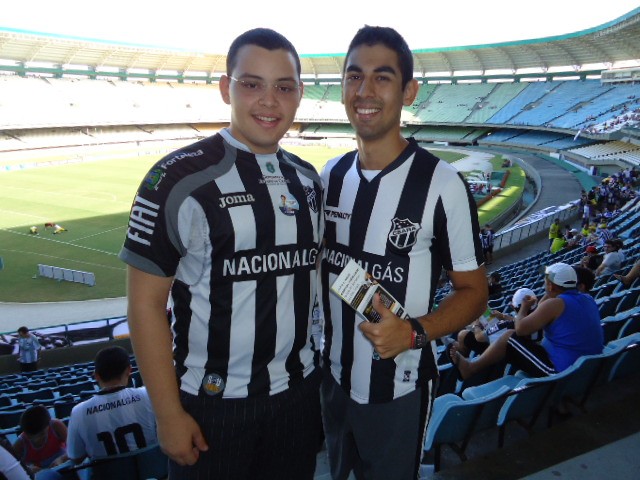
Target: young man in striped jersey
[(231, 226), (404, 215)]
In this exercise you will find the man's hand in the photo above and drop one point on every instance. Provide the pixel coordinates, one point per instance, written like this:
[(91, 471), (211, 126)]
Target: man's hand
[(527, 302), (181, 439), (391, 336)]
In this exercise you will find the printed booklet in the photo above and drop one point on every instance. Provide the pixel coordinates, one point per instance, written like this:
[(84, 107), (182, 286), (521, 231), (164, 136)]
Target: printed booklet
[(357, 287)]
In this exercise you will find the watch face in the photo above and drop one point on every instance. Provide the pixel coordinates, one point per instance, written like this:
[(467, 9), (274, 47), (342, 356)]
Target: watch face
[(421, 341)]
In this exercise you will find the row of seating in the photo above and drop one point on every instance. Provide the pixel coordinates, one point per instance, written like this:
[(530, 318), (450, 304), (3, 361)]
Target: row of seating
[(58, 389), (517, 398)]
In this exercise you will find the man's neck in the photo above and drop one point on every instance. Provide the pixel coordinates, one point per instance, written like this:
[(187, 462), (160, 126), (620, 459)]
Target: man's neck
[(378, 154)]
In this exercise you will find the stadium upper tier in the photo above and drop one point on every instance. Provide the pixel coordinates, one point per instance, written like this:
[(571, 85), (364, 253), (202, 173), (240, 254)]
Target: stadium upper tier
[(567, 105), (600, 47)]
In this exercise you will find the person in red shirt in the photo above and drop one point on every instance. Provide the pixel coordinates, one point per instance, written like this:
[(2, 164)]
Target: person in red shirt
[(43, 441)]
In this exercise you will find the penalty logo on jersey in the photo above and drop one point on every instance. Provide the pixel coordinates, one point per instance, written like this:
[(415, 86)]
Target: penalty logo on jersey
[(403, 233)]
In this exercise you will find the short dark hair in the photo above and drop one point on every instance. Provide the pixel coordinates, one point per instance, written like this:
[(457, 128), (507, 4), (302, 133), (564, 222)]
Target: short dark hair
[(34, 419), (387, 36), (23, 330), (261, 37), (586, 277), (111, 362)]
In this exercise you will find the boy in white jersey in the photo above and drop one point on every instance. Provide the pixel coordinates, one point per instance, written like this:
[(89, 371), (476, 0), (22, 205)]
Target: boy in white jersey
[(230, 226), (403, 214), (115, 420)]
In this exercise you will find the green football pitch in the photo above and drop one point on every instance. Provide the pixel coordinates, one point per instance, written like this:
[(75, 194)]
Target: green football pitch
[(91, 201)]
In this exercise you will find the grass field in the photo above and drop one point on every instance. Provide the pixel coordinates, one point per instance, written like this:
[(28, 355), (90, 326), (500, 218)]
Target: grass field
[(91, 200)]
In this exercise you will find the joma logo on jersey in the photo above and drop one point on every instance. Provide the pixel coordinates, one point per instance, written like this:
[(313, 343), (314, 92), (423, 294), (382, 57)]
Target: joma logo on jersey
[(403, 233), (236, 200)]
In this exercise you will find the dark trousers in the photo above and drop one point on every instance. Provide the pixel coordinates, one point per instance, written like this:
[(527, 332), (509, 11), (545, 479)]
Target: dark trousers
[(377, 441), (262, 438)]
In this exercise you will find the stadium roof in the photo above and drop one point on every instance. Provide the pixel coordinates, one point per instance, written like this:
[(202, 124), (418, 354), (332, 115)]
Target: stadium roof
[(609, 44)]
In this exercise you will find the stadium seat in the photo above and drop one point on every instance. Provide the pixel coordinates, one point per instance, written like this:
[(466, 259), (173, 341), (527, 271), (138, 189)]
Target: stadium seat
[(629, 300), (141, 464), (628, 363), (526, 403), (10, 419), (454, 420), (5, 401), (35, 395), (631, 326), (76, 388), (576, 387)]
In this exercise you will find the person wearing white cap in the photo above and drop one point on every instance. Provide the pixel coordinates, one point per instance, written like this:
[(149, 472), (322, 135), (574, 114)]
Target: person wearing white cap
[(487, 330), (570, 321)]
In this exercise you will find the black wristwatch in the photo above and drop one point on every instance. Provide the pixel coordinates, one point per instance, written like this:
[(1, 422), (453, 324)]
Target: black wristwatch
[(419, 338)]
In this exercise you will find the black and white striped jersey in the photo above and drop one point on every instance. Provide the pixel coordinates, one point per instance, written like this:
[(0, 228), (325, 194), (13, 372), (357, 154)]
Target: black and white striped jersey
[(411, 220), (240, 232)]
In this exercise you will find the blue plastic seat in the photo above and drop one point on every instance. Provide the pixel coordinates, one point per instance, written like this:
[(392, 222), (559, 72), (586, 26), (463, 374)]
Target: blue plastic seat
[(454, 420)]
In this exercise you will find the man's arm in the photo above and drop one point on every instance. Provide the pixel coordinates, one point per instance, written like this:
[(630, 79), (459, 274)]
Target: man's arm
[(392, 335), (178, 433), (546, 313)]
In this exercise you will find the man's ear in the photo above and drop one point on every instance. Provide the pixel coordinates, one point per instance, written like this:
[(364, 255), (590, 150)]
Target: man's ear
[(224, 85), (410, 92)]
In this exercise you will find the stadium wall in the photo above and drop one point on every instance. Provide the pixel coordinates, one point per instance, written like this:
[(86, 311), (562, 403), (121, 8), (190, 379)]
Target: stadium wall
[(57, 357)]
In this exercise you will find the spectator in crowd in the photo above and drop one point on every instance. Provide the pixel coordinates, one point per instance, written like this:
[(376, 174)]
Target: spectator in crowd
[(586, 279), (42, 443), (612, 261), (592, 259), (495, 287), (630, 276), (487, 238), (603, 233), (118, 419), (558, 244), (28, 350), (554, 231), (477, 336), (402, 210), (238, 397), (571, 323)]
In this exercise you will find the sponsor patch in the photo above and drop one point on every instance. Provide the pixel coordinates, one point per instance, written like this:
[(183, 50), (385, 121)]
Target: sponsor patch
[(274, 180), (213, 384), (154, 178), (288, 204)]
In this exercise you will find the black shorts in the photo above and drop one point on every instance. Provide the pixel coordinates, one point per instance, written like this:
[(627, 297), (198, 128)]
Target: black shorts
[(529, 356), (267, 437)]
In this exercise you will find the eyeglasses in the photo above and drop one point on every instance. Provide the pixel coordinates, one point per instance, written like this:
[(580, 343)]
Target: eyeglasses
[(285, 89)]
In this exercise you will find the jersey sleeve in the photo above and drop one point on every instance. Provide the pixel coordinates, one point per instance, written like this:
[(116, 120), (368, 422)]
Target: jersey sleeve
[(152, 241), (458, 238)]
